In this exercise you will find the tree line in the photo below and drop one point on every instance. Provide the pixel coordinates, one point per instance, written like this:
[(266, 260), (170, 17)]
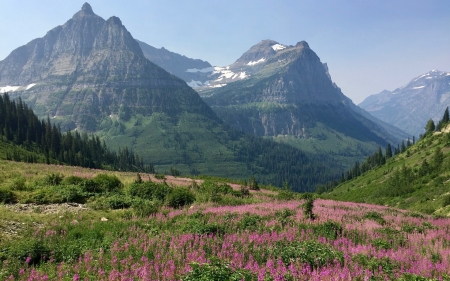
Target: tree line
[(21, 127)]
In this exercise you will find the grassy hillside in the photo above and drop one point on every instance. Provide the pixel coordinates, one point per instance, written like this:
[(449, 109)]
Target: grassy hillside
[(225, 232), (417, 179)]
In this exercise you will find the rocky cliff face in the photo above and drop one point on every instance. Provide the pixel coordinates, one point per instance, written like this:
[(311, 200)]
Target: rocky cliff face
[(90, 69), (411, 106), (289, 91)]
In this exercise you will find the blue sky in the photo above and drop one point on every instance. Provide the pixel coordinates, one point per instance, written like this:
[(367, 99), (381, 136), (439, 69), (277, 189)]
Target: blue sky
[(369, 45)]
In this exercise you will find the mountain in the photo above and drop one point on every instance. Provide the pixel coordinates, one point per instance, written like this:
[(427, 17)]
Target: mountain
[(286, 93), (411, 106), (194, 72), (90, 74)]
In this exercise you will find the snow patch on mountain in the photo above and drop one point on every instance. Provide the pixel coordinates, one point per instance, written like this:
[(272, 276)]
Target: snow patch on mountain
[(9, 89), (418, 87), (30, 86), (218, 85), (203, 70), (256, 62), (195, 84), (278, 47)]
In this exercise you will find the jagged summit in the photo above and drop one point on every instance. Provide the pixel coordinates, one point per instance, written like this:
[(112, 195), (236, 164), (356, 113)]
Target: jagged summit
[(114, 20), (303, 44), (86, 10)]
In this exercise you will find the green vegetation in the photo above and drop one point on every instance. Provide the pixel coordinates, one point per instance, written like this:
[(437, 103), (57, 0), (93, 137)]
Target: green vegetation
[(414, 178), (23, 137)]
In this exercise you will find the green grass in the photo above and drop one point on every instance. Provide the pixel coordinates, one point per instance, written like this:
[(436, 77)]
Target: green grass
[(425, 193)]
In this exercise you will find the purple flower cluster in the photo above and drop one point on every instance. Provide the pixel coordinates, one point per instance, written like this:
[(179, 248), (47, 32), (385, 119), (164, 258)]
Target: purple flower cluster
[(370, 249)]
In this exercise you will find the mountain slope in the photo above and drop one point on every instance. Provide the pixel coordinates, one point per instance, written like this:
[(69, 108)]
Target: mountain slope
[(409, 107), (288, 95), (90, 74), (415, 179), (194, 71)]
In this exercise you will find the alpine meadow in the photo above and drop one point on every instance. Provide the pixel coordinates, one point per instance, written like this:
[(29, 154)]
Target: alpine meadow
[(123, 161)]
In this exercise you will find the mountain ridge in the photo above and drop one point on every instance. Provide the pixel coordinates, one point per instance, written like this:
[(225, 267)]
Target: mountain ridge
[(412, 105)]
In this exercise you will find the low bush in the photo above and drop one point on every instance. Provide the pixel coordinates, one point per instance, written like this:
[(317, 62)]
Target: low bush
[(145, 208), (53, 179), (114, 201), (286, 195), (217, 271), (30, 250), (446, 200), (107, 183), (180, 197), (19, 184), (7, 196), (313, 253), (375, 216)]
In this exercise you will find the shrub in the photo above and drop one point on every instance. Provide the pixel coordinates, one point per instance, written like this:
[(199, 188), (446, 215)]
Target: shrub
[(142, 190), (217, 271), (74, 180), (160, 176), (375, 217), (330, 230), (308, 208), (145, 208), (180, 197), (285, 195), (446, 201), (44, 196), (7, 196), (161, 191), (107, 183), (31, 249), (18, 183), (115, 201), (374, 263), (381, 244), (150, 191), (313, 253), (86, 185), (73, 193), (249, 221), (53, 179)]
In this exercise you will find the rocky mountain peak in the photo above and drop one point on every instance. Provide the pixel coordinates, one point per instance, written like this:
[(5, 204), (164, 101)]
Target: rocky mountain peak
[(258, 53), (303, 44), (114, 20), (86, 10)]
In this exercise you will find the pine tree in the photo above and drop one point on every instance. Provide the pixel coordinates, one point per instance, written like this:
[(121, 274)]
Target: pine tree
[(446, 117), (430, 127), (388, 151)]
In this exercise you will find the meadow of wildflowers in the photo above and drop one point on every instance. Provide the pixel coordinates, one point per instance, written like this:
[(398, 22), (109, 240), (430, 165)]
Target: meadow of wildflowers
[(262, 241)]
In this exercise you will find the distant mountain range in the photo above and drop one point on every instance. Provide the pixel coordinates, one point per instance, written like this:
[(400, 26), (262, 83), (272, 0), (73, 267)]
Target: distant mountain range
[(411, 106), (90, 74)]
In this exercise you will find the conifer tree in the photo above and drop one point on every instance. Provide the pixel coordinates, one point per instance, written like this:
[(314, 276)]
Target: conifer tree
[(430, 127), (388, 151)]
